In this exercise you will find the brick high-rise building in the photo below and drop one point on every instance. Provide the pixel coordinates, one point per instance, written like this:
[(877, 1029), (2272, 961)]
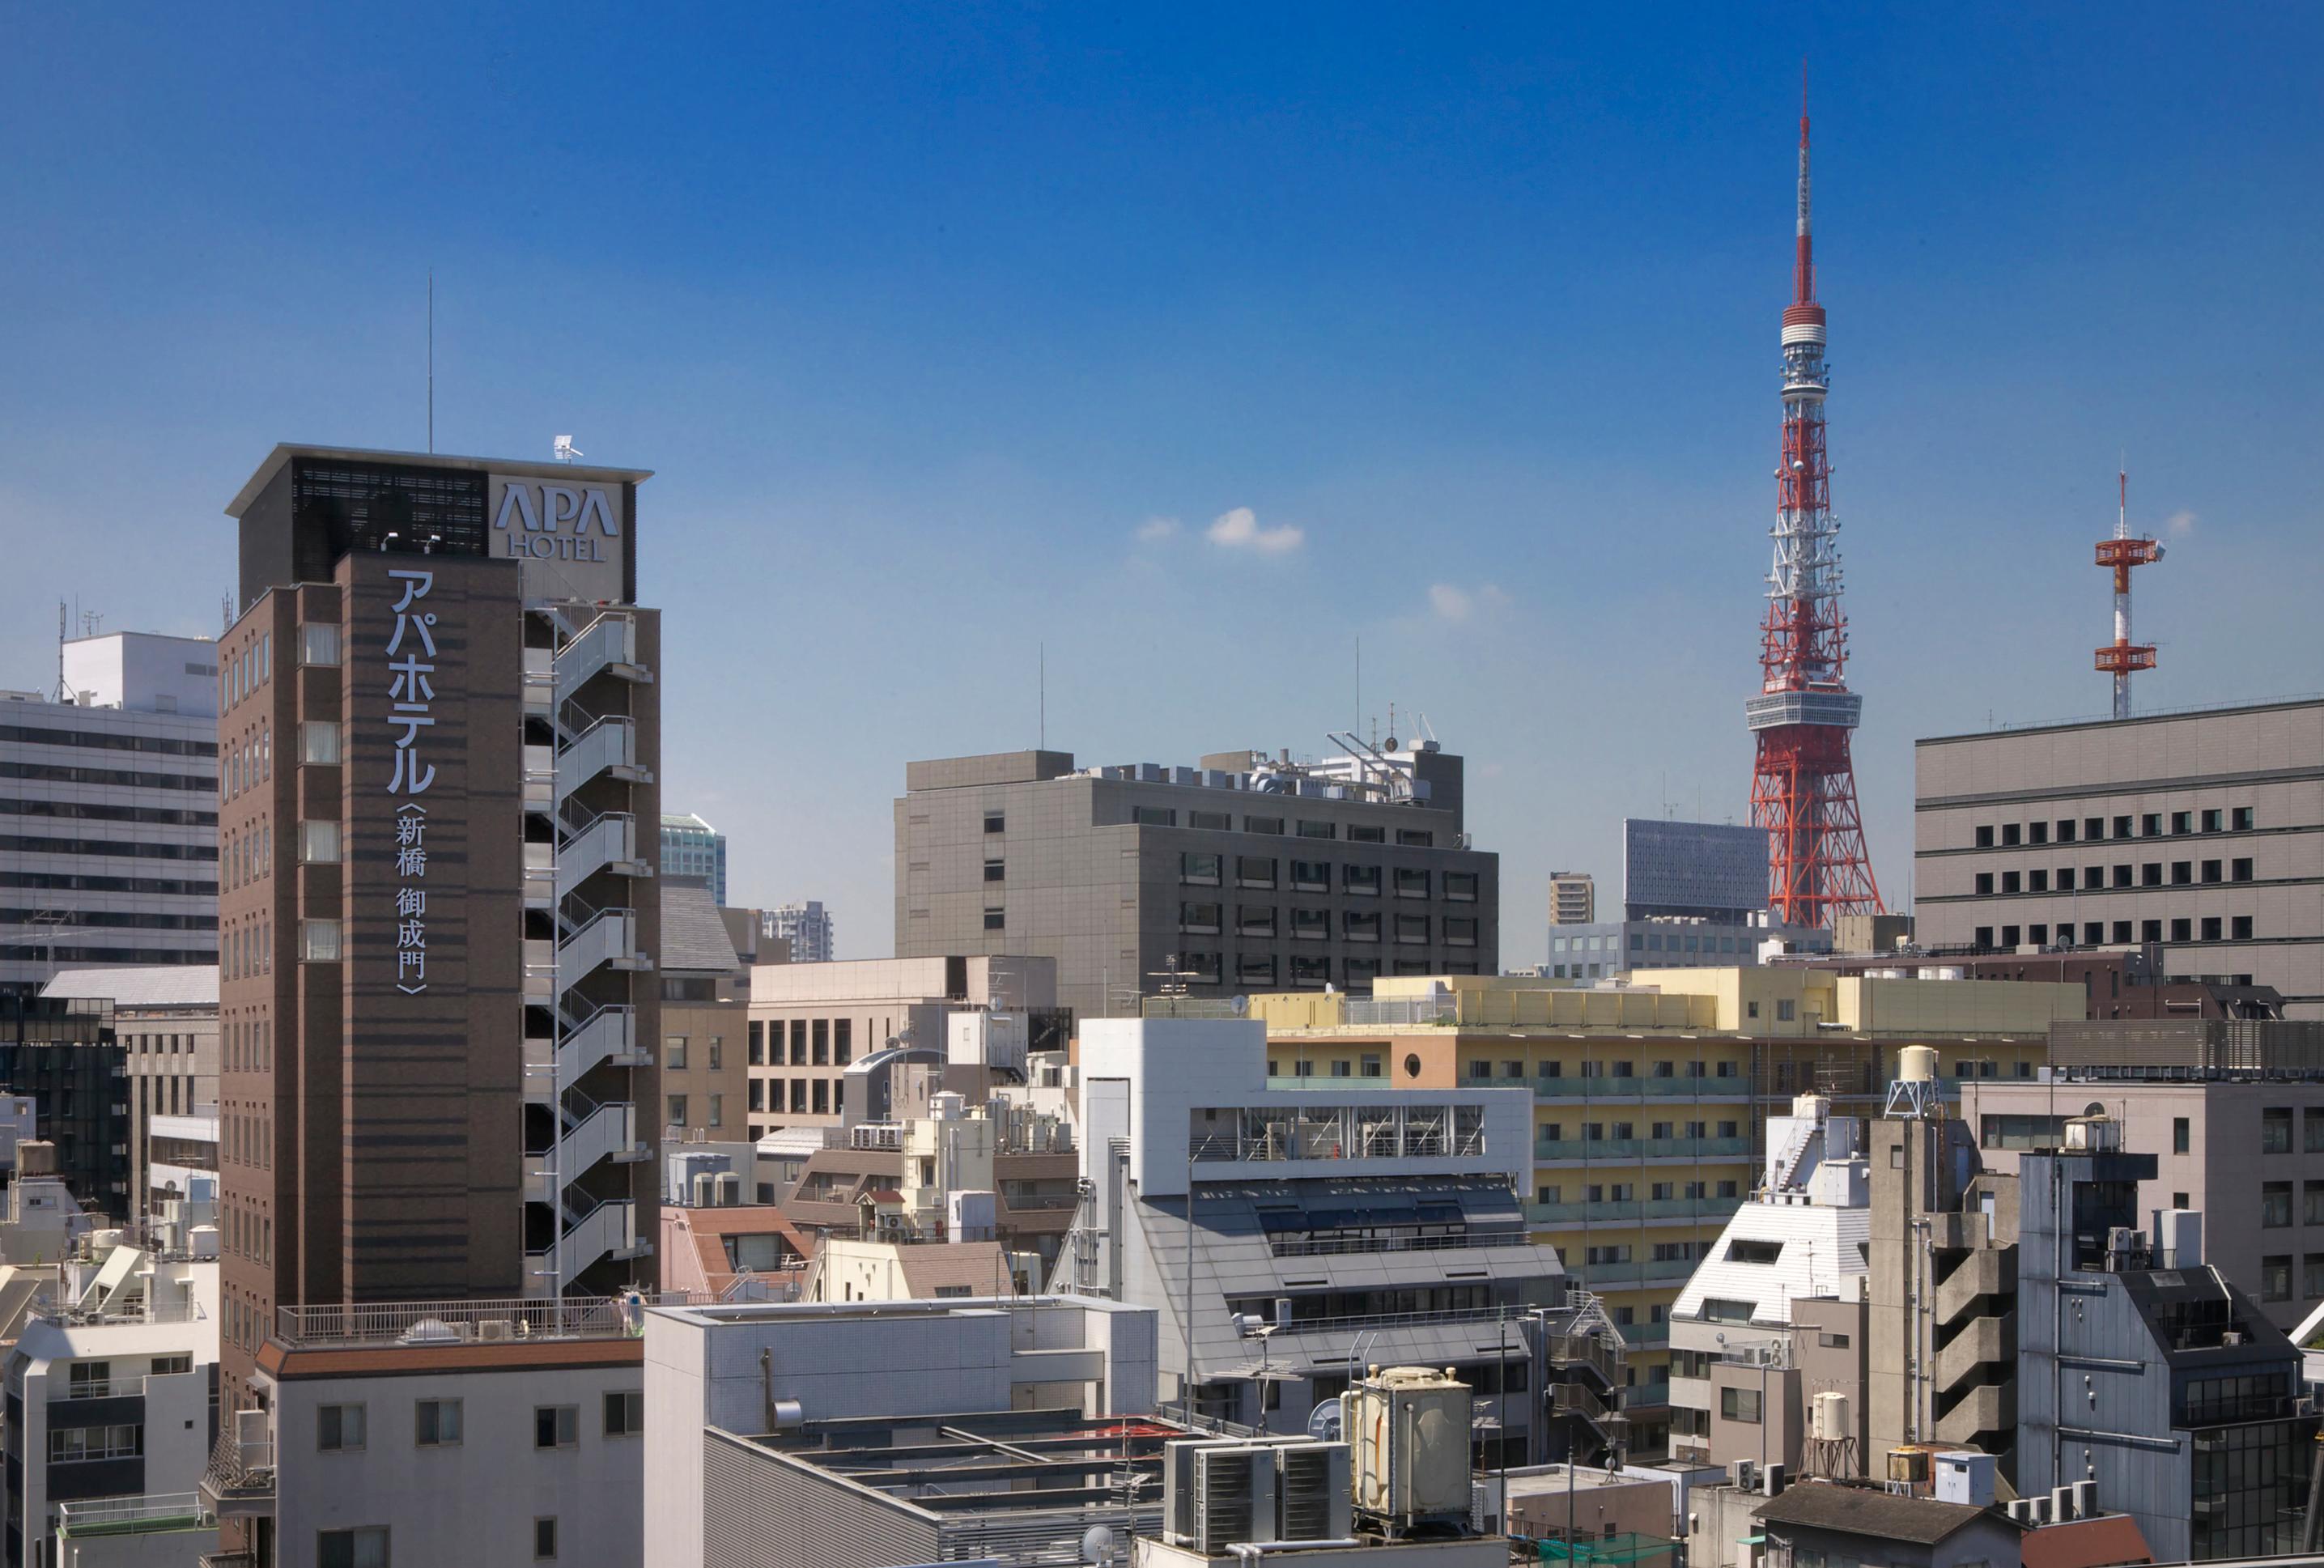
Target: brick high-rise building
[(438, 732)]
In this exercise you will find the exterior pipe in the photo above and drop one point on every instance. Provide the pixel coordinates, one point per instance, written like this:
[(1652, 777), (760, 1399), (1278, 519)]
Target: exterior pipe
[(1248, 1550)]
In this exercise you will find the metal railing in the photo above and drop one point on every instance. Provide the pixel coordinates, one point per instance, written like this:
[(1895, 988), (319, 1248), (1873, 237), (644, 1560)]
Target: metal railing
[(423, 1322), (1641, 1148), (1734, 1088), (1336, 1246), (132, 1515), (100, 1389), (1631, 1209)]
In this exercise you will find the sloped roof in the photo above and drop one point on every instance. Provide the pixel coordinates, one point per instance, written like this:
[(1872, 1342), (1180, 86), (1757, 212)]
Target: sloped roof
[(1864, 1511), (693, 936), (2108, 1541), (1821, 1247), (140, 984)]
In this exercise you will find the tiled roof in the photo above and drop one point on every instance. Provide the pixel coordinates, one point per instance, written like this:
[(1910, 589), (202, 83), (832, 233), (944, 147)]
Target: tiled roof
[(692, 937), (1863, 1511)]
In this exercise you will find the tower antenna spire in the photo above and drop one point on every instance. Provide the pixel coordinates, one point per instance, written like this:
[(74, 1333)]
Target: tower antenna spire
[(1804, 785), (2122, 656)]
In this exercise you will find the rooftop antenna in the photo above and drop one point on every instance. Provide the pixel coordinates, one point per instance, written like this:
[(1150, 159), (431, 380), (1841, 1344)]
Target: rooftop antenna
[(63, 693), (565, 451), (2123, 552), (431, 360), (1360, 684), (1044, 696)]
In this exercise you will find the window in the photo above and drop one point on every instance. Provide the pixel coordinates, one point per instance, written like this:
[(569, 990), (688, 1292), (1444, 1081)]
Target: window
[(1199, 870), (1203, 917), (318, 941), (2010, 882), (318, 644), (2274, 1206), (1311, 876), (1984, 881), (996, 870), (2122, 876), (1369, 1067), (1786, 1010), (2150, 825), (171, 1366), (1317, 829), (1210, 821), (2182, 930), (2210, 928), (2214, 821), (2275, 1277), (2240, 928), (544, 1539), (1461, 887), (674, 1052), (996, 920), (717, 1117), (1153, 816), (1411, 884), (1262, 825), (625, 1414), (2276, 1129), (995, 822), (1254, 871), (2240, 818), (1255, 969), (677, 1110), (2239, 870), (2093, 827), (1982, 938), (318, 742), (436, 1423), (2311, 1129), (2037, 833), (1411, 928), (1985, 836), (1255, 919), (556, 1426), (2150, 875), (2215, 871), (2183, 873), (2183, 822), (339, 1428), (1360, 833), (2180, 1133), (1360, 927), (1362, 880), (364, 1548), (2149, 930), (2065, 830), (75, 1444), (2311, 1203), (2009, 834), (1414, 837), (1310, 925), (2037, 882)]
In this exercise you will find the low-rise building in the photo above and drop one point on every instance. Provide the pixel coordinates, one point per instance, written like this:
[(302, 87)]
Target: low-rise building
[(705, 1003), (1820, 1522), (768, 1397), (1290, 1235), (470, 1431), (1650, 1098), (112, 1395)]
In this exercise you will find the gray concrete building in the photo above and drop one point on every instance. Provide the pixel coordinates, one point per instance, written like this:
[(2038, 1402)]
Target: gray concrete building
[(166, 1020), (109, 810), (2201, 832), (1248, 873)]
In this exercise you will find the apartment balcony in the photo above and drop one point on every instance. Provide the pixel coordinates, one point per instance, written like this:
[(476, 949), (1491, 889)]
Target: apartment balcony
[(1639, 1398), (1549, 1150), (598, 939), (609, 643), (239, 1481), (156, 1513), (1632, 1275), (1678, 1211), (590, 845), (1635, 1088)]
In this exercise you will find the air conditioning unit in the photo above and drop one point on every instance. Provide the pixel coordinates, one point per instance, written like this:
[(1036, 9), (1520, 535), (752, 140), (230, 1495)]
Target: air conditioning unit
[(496, 1328), (1234, 1498), (1313, 1493)]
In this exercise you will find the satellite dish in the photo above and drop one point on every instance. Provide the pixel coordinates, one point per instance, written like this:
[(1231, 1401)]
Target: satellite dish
[(1097, 1545), (1241, 1005), (565, 451), (1323, 1421)]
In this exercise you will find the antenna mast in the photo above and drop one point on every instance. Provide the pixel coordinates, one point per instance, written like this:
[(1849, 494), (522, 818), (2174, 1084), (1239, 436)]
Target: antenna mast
[(431, 360), (2121, 553)]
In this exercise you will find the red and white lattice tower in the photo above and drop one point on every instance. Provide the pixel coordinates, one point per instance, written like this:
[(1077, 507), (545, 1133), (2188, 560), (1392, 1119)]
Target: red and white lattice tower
[(1803, 789), (2122, 658)]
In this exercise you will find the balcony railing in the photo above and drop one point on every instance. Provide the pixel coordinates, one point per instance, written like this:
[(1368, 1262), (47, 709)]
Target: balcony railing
[(133, 1516), (1335, 1246), (433, 1322), (1603, 1277), (1706, 1210), (101, 1389)]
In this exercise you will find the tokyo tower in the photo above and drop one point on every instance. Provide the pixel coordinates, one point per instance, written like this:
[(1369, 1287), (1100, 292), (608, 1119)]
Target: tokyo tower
[(1803, 789)]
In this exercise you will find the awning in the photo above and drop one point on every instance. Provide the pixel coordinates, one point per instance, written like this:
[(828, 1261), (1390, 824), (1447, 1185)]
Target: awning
[(1620, 1548)]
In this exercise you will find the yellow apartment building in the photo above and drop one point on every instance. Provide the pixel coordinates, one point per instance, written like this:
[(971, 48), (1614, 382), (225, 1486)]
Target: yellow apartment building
[(1651, 1098)]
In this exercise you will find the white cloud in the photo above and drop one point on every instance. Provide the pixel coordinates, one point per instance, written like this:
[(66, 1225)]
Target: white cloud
[(2179, 524), (1238, 530), (1155, 530), (1454, 603)]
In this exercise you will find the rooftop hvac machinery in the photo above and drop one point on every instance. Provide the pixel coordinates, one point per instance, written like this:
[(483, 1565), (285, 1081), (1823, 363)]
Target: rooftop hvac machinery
[(1409, 1428)]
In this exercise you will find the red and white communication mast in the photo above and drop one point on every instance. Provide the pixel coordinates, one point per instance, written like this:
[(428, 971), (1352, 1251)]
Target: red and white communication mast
[(1803, 789), (2122, 552)]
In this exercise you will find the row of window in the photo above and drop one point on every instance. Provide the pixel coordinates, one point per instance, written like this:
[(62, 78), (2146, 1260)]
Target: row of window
[(1646, 942), (1622, 1131), (1628, 1192), (2093, 829), (808, 1096), (2208, 928), (814, 1042), (39, 844), (1315, 925), (90, 811), (122, 778), (1308, 876), (247, 763), (1306, 828), (2094, 879), (252, 666), (75, 882), (441, 1424), (1262, 969), (105, 739)]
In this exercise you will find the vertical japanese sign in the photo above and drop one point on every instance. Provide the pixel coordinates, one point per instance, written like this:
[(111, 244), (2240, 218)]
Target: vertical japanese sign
[(411, 696)]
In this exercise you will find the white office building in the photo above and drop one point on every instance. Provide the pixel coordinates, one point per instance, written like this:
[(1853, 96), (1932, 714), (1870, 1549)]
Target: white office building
[(108, 810), (807, 926)]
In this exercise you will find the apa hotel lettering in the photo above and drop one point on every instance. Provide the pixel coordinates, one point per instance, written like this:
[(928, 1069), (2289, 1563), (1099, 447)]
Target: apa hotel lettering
[(533, 518)]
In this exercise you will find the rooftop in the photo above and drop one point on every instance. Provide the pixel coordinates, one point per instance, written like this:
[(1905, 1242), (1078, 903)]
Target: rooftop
[(1863, 1510), (179, 985), (532, 468), (456, 1322)]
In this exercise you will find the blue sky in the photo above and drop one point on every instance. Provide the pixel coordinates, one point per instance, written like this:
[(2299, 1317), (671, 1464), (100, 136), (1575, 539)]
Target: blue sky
[(930, 318)]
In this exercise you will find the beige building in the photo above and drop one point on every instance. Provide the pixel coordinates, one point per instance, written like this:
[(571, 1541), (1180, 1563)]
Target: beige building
[(2201, 834), (1650, 1099), (809, 1022), (1573, 898), (705, 962), (166, 1019)]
